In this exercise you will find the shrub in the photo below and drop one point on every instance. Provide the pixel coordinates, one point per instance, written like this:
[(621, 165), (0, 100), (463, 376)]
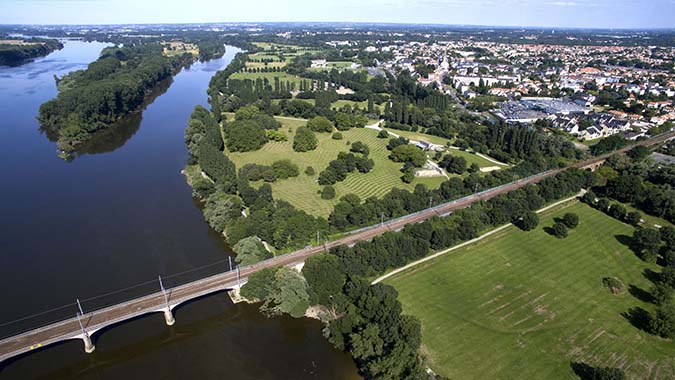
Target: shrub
[(337, 136), (273, 135), (328, 192), (613, 284), (310, 171), (382, 134), (570, 220)]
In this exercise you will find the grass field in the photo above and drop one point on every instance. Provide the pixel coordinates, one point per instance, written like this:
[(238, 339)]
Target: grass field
[(302, 191), (524, 305)]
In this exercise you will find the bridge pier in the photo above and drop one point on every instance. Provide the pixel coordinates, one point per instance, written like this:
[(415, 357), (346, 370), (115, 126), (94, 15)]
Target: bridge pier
[(88, 344), (168, 317)]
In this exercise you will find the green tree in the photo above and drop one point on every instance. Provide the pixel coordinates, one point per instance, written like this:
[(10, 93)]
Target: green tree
[(663, 321), (328, 192), (408, 175), (245, 136), (320, 124), (250, 250), (529, 221), (304, 140), (337, 136), (222, 209), (633, 218), (560, 230), (571, 220), (359, 147), (409, 154), (260, 285), (290, 295), (382, 134), (646, 240), (617, 211), (285, 169), (324, 277)]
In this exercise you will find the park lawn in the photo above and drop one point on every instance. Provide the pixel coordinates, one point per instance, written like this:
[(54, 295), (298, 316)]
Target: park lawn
[(302, 191), (524, 305), (270, 76), (419, 136), (471, 158)]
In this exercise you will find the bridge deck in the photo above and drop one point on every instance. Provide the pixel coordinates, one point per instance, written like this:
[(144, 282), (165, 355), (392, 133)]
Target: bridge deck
[(70, 328)]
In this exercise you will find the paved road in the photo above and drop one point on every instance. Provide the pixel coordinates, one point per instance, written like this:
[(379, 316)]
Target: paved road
[(155, 302)]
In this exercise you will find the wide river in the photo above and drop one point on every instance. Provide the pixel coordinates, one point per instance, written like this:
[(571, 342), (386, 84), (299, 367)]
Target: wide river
[(120, 214)]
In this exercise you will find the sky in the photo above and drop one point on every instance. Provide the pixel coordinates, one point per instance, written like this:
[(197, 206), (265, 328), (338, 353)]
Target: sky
[(545, 13)]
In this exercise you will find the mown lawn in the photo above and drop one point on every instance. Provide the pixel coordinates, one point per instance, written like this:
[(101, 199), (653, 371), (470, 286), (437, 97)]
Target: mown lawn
[(302, 191), (524, 305)]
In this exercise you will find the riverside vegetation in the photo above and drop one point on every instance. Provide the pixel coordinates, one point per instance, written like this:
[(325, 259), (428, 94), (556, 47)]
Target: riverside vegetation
[(366, 320)]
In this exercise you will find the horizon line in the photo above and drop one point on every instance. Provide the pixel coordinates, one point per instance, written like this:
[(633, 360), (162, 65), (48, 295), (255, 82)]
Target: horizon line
[(663, 28)]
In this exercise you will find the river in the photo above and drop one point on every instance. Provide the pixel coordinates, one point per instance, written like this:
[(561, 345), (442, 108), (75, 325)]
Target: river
[(120, 214)]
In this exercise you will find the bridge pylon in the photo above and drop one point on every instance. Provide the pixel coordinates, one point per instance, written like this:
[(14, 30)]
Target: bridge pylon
[(168, 317), (88, 344)]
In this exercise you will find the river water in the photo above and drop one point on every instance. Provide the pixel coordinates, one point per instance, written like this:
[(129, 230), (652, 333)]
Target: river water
[(120, 214)]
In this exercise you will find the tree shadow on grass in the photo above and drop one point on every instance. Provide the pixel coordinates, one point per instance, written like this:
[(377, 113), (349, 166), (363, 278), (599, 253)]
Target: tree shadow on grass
[(652, 276), (640, 294), (625, 240), (638, 317), (583, 370)]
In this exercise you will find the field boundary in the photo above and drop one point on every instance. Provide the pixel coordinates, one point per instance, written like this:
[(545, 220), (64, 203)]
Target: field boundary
[(461, 245)]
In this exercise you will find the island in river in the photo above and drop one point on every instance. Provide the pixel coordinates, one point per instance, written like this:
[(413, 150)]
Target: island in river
[(111, 87), (16, 52)]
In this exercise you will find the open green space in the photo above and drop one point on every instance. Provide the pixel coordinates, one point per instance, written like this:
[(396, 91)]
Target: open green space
[(524, 305), (470, 157), (419, 136), (302, 191)]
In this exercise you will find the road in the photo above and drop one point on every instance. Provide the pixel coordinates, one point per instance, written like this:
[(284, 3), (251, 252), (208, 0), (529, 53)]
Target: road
[(96, 320)]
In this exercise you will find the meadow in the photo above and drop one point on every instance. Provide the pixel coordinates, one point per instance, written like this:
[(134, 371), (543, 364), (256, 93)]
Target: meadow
[(525, 305), (303, 191)]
